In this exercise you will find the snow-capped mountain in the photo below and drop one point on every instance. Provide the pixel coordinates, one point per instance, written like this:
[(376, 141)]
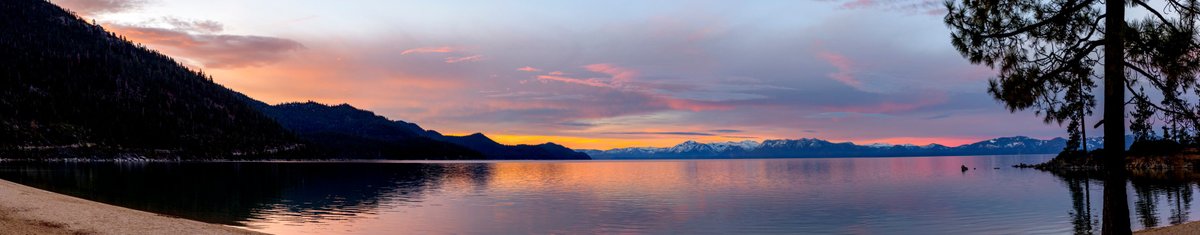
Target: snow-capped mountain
[(809, 147)]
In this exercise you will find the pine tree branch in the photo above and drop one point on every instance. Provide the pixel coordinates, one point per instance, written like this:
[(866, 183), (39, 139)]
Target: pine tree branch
[(1066, 11), (1157, 14)]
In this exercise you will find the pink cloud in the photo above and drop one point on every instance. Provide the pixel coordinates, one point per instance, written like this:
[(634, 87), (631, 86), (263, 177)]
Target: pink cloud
[(691, 105), (859, 4), (451, 60), (528, 69), (423, 50), (845, 67), (618, 77), (619, 74)]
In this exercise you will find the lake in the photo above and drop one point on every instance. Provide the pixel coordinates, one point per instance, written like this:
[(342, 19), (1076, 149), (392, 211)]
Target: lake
[(911, 195)]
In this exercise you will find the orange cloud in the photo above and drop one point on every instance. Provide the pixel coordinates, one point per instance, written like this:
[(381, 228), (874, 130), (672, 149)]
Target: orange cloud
[(92, 7), (529, 69), (211, 50), (423, 50)]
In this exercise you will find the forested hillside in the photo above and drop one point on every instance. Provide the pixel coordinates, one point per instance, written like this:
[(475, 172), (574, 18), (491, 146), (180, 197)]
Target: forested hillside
[(70, 88)]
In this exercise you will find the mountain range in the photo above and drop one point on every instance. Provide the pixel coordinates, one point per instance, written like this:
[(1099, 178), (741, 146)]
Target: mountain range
[(71, 89), (808, 147)]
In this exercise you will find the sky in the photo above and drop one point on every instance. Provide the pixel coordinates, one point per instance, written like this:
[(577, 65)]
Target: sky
[(596, 74)]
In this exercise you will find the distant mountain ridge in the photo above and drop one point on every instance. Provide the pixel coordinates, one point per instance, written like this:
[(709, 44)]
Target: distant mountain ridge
[(351, 132), (808, 147)]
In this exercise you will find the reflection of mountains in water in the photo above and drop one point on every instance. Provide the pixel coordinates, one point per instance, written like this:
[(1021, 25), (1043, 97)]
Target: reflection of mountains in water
[(234, 193), (1173, 189)]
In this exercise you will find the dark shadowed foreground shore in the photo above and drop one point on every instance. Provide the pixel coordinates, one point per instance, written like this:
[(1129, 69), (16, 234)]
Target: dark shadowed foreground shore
[(27, 210)]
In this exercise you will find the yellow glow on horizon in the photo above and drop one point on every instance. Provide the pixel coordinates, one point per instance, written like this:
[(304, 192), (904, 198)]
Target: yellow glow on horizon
[(603, 143)]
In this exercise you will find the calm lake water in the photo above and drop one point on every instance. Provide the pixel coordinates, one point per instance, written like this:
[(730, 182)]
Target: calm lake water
[(914, 195)]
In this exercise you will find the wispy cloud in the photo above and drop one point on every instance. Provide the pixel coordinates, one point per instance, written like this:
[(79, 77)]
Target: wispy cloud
[(211, 50), (423, 50), (528, 69), (94, 7), (618, 74), (460, 59), (581, 81), (927, 7), (845, 69)]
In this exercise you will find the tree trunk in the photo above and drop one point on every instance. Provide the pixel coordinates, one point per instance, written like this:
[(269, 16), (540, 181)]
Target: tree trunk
[(1116, 205)]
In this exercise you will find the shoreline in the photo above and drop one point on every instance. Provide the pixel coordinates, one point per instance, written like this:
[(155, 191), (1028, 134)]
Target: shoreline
[(28, 210), (1185, 228)]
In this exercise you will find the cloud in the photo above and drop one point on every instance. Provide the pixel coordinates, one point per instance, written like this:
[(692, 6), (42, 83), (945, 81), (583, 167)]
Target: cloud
[(95, 7), (211, 50), (192, 26), (852, 4), (939, 116), (926, 7), (460, 59), (619, 74), (424, 50), (581, 81), (727, 131), (845, 69), (529, 69), (708, 68)]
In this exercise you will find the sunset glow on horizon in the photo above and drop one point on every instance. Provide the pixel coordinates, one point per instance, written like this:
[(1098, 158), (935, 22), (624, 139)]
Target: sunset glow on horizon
[(599, 74)]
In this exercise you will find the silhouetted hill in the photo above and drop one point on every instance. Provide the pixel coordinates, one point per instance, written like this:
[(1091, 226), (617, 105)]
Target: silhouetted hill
[(808, 147), (70, 88), (356, 133), (493, 150), (343, 131)]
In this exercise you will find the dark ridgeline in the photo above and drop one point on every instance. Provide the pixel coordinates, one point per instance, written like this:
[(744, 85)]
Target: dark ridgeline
[(70, 88), (349, 131), (352, 133)]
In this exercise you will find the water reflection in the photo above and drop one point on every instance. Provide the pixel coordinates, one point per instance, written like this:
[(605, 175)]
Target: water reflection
[(1152, 191), (851, 195), (236, 193)]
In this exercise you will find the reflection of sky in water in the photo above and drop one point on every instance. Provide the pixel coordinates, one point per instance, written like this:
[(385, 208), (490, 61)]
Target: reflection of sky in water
[(848, 195)]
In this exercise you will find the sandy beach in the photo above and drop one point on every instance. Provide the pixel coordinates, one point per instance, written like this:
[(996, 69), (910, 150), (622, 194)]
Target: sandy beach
[(27, 210), (1187, 228)]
